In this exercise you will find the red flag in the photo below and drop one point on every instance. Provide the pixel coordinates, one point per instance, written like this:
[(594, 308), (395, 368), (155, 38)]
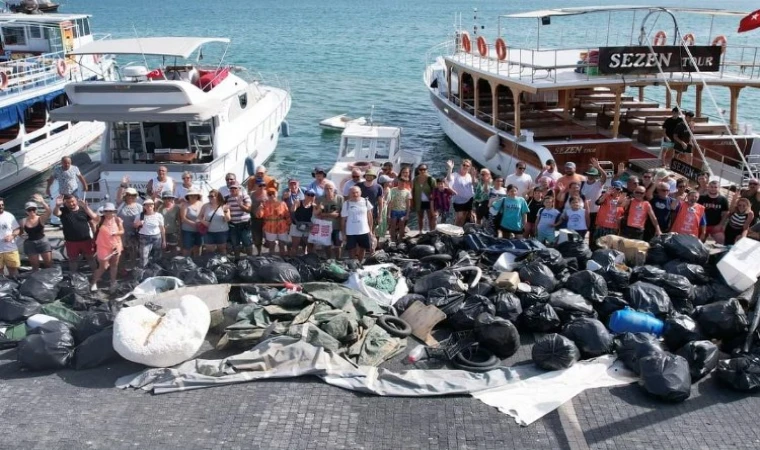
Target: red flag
[(750, 22)]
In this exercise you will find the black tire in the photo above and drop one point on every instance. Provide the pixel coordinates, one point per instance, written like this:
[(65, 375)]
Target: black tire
[(476, 357), (394, 326), (443, 258)]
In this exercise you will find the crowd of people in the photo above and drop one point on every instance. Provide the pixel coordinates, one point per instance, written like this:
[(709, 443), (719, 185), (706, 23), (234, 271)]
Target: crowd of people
[(245, 217)]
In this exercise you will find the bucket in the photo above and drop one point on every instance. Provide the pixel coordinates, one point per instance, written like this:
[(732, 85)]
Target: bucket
[(629, 321)]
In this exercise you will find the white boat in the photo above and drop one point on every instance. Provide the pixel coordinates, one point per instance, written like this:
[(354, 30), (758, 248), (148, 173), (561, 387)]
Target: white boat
[(365, 146), (340, 122), (501, 102), (36, 65), (206, 120)]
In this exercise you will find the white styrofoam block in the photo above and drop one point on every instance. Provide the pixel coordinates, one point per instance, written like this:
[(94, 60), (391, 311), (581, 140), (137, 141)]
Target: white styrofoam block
[(740, 267)]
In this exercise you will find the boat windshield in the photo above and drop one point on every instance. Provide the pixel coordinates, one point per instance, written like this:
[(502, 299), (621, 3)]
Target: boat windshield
[(162, 142), (367, 148)]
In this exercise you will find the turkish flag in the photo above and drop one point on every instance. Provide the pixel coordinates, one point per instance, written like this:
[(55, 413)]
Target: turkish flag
[(750, 22)]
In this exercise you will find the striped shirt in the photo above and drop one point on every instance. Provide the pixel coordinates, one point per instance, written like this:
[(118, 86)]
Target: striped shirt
[(236, 212), (737, 220)]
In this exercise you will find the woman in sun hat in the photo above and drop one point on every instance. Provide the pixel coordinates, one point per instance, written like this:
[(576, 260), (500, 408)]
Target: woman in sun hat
[(36, 246), (320, 180), (109, 245), (127, 209), (189, 215)]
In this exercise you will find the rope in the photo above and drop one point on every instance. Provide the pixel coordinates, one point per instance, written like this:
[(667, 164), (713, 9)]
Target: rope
[(384, 281)]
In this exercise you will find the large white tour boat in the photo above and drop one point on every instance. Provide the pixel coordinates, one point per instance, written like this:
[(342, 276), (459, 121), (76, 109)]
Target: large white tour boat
[(502, 103), (206, 120), (36, 62)]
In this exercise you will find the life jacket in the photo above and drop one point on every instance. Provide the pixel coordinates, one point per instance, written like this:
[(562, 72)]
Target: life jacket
[(688, 219)]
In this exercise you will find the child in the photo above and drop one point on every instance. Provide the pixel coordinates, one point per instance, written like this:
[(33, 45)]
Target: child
[(399, 204), (547, 217), (577, 218), (535, 203), (442, 200)]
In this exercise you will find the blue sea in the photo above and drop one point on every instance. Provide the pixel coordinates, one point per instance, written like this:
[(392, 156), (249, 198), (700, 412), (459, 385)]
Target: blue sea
[(346, 56)]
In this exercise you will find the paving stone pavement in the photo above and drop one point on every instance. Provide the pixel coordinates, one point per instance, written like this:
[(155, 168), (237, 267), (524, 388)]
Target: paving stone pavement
[(82, 410)]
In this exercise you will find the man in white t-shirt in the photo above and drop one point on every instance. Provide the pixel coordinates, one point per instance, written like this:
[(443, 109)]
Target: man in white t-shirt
[(550, 170), (591, 190), (357, 223), (9, 231), (521, 180)]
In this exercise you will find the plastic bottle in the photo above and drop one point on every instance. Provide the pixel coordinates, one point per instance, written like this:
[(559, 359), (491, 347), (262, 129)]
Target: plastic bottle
[(418, 353)]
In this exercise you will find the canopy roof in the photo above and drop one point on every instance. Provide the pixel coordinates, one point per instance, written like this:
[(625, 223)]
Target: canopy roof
[(117, 113), (595, 9), (369, 131), (181, 47)]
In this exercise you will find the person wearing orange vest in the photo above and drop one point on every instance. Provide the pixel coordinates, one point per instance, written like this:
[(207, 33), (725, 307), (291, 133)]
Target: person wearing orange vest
[(610, 211), (690, 217), (636, 213)]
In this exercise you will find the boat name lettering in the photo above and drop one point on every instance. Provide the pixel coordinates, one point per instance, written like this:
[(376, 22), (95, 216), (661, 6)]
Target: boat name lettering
[(684, 169), (642, 60), (140, 187), (572, 150)]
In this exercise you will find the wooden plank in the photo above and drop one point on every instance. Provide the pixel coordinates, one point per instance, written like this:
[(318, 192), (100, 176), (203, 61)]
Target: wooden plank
[(422, 318)]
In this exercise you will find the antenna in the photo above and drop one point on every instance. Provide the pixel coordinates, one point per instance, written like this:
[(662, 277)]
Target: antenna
[(137, 37), (371, 115)]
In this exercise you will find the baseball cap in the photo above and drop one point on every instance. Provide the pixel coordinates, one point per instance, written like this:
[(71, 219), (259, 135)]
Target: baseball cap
[(130, 191), (310, 192), (592, 172), (292, 180), (30, 205), (148, 201), (384, 179), (569, 165), (167, 194), (318, 170), (618, 185)]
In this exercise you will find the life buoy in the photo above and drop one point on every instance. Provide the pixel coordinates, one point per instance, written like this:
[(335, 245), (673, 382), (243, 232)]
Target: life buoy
[(96, 58), (60, 67), (689, 39), (482, 46), (360, 165), (722, 41), (466, 44), (501, 49), (3, 80), (660, 38)]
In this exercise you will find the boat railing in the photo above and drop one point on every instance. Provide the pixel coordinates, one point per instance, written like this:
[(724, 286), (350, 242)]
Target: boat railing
[(101, 36), (32, 73), (730, 168)]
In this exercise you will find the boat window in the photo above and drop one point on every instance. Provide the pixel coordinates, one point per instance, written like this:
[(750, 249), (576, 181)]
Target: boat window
[(366, 149), (202, 140), (383, 149), (243, 99), (86, 27), (14, 35), (127, 141), (35, 32), (351, 147), (165, 136)]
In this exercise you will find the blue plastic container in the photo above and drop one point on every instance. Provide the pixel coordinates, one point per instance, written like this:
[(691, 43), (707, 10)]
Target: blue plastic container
[(629, 321)]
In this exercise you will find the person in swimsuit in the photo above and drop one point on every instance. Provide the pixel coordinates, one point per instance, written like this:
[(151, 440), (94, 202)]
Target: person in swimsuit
[(36, 246)]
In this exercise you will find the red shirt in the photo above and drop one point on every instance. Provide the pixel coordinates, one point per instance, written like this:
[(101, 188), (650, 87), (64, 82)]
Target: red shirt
[(638, 213), (689, 219), (609, 213)]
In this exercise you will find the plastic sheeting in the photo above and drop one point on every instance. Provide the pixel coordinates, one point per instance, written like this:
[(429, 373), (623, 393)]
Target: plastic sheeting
[(356, 281)]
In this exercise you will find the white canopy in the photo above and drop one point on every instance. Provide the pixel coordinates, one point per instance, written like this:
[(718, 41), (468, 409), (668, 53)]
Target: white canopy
[(181, 47), (369, 131), (596, 9), (117, 113)]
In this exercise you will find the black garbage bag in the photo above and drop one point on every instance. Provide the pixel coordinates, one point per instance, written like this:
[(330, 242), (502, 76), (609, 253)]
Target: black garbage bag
[(720, 292), (647, 297), (279, 272), (611, 303), (679, 330), (741, 373), (446, 300), (92, 323), (666, 376), (225, 272), (74, 290), (262, 295), (336, 271), (308, 266), (246, 272), (42, 285), (590, 285), (473, 306), (537, 294), (555, 352), (570, 305), (181, 266), (576, 249), (14, 310), (650, 274), (378, 257), (96, 350), (680, 290), (607, 258), (685, 247), (421, 251), (551, 257), (507, 305), (497, 335), (632, 347), (540, 318), (8, 287), (49, 346), (406, 301), (694, 273), (201, 276), (141, 274), (702, 357), (537, 274), (656, 255), (703, 294), (590, 335), (217, 260), (484, 287), (617, 279), (721, 320), (439, 279)]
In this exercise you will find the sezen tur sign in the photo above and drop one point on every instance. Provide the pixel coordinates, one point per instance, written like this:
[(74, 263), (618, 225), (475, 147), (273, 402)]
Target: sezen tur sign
[(669, 58)]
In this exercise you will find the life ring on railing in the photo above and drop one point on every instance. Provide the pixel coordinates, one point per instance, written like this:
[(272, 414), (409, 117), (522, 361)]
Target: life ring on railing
[(96, 58), (482, 46), (3, 80), (60, 67), (360, 165), (722, 41), (689, 39), (660, 38), (501, 49), (466, 43)]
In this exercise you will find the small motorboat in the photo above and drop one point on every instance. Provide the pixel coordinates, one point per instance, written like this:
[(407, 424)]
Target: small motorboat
[(339, 122)]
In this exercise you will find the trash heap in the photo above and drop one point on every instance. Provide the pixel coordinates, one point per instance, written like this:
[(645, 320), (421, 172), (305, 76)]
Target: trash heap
[(662, 307)]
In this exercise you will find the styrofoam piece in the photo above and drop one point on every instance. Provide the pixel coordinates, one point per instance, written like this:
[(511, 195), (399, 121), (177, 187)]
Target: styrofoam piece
[(38, 319), (505, 263), (739, 267), (451, 230)]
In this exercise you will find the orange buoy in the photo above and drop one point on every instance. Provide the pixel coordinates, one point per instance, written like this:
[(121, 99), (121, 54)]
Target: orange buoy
[(501, 49), (660, 38), (466, 44), (482, 46), (689, 39), (60, 67), (722, 41)]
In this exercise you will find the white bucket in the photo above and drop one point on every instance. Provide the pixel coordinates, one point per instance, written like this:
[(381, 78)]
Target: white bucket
[(739, 267)]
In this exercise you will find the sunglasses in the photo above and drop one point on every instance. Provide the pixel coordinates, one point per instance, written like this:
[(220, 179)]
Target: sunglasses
[(311, 195), (424, 169), (520, 168), (187, 178), (647, 176), (31, 209), (356, 176)]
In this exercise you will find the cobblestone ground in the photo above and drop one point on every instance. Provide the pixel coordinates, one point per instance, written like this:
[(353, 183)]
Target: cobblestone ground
[(82, 410)]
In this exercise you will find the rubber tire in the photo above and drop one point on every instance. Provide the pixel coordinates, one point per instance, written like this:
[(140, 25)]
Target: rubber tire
[(394, 326), (442, 258), (489, 361)]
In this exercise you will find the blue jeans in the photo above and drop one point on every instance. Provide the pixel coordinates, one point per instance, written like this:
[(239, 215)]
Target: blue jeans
[(240, 235), (150, 248)]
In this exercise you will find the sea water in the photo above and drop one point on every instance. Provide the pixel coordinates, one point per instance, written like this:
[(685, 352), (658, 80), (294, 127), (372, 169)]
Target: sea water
[(344, 56)]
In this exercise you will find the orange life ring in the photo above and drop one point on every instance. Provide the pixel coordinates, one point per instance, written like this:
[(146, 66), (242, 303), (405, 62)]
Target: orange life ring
[(60, 67), (482, 46), (501, 49), (722, 41), (3, 80), (96, 58), (689, 39), (660, 38), (466, 44), (361, 165)]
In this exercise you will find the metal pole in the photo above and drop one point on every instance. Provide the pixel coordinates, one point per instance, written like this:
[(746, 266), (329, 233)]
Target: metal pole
[(633, 27), (609, 18)]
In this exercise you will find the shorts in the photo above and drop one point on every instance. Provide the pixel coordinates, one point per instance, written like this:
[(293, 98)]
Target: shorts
[(481, 210), (257, 230), (398, 215), (172, 239), (545, 236), (463, 207), (104, 254), (240, 235), (76, 248), (424, 206), (191, 239), (358, 240), (10, 260), (296, 233), (507, 230), (712, 230), (336, 238), (668, 144), (272, 237), (216, 237), (680, 149), (632, 233), (37, 247)]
